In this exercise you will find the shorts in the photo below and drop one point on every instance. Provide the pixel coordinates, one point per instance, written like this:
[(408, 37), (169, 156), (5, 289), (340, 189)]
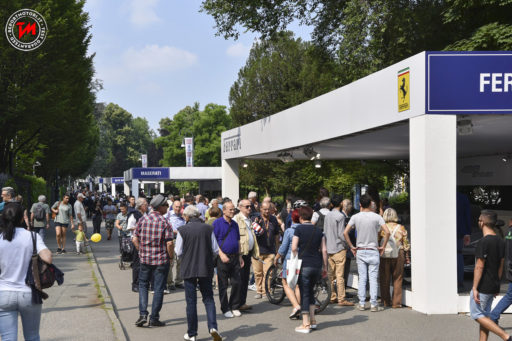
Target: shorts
[(480, 310), (109, 224), (61, 225)]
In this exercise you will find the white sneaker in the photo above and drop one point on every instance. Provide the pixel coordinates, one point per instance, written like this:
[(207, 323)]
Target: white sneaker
[(237, 313), (215, 334), (166, 292), (228, 314), (252, 287), (189, 338)]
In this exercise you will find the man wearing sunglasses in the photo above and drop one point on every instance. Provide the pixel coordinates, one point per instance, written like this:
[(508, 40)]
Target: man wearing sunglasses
[(248, 248)]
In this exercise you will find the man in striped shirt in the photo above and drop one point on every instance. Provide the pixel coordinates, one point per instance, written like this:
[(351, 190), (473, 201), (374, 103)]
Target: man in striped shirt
[(153, 238)]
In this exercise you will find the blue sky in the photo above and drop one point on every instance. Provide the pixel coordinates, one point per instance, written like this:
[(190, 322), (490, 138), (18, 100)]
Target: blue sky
[(157, 56)]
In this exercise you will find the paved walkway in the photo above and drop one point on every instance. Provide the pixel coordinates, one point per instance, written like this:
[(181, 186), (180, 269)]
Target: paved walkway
[(270, 322), (79, 309), (96, 303)]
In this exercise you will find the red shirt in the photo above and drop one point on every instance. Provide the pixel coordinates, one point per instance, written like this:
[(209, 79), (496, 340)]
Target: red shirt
[(153, 232)]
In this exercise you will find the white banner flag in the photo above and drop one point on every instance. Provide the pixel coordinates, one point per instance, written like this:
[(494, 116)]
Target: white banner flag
[(189, 151)]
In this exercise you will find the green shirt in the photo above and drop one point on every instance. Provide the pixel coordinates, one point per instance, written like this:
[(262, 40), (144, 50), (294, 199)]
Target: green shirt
[(65, 213), (79, 235)]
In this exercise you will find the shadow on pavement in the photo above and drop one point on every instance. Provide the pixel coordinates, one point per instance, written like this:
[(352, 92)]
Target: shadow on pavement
[(247, 331)]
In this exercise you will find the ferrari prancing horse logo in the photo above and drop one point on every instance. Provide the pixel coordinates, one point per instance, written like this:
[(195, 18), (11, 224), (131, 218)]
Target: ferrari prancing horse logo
[(403, 90)]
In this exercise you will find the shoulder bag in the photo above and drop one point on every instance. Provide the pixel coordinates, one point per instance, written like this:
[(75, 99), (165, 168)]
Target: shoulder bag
[(391, 250), (43, 273), (216, 257), (54, 215), (294, 263)]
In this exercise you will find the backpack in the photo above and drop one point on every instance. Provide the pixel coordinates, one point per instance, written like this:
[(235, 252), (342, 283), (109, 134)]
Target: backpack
[(320, 222), (391, 250), (39, 213)]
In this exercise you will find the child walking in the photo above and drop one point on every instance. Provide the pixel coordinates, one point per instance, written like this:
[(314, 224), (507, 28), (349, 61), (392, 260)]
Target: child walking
[(80, 239)]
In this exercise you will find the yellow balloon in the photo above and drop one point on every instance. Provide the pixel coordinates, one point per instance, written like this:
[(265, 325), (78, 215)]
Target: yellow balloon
[(96, 237)]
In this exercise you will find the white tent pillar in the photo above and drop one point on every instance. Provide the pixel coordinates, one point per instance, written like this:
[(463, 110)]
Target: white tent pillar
[(126, 188), (162, 187), (135, 188), (433, 174), (230, 180), (113, 188)]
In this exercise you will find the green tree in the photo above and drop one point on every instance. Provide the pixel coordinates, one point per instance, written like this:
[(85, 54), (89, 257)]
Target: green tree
[(480, 25), (205, 126), (123, 139), (369, 35), (47, 95), (280, 72)]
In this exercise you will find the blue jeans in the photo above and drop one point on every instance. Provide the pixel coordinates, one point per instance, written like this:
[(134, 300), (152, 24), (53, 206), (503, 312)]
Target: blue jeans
[(368, 264), (160, 275), (307, 280), (502, 305), (12, 302), (41, 231), (205, 285)]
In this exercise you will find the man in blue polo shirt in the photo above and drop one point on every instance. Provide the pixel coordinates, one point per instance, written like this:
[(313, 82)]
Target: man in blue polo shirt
[(229, 261)]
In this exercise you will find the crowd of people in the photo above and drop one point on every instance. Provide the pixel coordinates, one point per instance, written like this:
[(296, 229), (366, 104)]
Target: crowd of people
[(189, 242), (192, 243), (195, 244)]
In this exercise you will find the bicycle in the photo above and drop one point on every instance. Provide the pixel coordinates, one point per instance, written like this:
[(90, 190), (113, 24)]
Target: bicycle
[(274, 289)]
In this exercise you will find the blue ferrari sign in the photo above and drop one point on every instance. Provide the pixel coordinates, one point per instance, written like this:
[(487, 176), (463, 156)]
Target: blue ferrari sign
[(469, 82)]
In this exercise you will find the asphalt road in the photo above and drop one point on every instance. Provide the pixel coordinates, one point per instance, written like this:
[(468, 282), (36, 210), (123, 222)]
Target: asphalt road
[(270, 322)]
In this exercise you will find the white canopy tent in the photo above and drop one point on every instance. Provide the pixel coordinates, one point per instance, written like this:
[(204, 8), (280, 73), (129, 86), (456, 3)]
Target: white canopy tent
[(362, 121)]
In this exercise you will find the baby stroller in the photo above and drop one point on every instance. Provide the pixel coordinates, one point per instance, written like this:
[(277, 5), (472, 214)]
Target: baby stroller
[(126, 251)]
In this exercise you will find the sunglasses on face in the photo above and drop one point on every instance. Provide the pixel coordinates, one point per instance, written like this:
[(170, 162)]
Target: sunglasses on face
[(247, 206)]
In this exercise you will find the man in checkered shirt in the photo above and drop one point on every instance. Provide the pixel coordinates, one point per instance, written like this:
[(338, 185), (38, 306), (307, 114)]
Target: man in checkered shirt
[(153, 238)]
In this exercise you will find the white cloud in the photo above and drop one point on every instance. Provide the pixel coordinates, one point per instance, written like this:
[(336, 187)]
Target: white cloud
[(150, 88), (154, 58), (238, 50), (143, 12)]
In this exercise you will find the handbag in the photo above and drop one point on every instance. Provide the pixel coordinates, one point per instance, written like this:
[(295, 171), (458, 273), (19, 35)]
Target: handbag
[(43, 273), (54, 215), (293, 265), (293, 270)]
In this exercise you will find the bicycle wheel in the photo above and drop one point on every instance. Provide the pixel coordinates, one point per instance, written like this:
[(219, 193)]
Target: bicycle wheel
[(322, 294), (274, 286)]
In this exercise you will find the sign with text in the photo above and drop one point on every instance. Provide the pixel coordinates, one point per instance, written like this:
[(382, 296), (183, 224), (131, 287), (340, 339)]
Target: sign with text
[(154, 173), (189, 151), (469, 82), (118, 180)]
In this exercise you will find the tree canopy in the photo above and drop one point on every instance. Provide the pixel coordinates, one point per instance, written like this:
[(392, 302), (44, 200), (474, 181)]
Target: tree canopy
[(369, 35), (205, 126), (280, 72), (47, 95), (123, 138)]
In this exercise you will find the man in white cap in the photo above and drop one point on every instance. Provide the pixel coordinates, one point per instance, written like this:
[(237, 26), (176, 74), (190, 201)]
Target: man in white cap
[(80, 215)]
